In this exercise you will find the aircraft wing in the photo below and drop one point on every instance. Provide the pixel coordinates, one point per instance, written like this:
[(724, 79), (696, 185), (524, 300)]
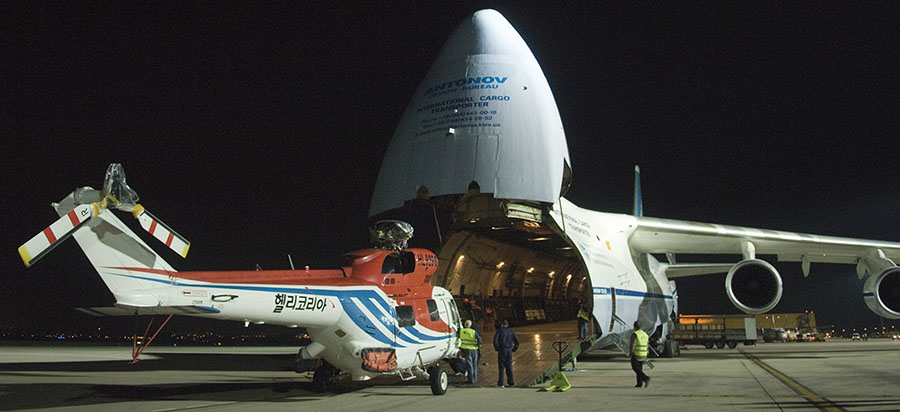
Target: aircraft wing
[(654, 235)]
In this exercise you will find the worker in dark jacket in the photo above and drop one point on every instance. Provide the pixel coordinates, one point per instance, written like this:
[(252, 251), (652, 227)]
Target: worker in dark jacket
[(505, 343)]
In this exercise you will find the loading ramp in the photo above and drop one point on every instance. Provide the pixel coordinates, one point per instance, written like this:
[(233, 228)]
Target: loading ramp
[(537, 360)]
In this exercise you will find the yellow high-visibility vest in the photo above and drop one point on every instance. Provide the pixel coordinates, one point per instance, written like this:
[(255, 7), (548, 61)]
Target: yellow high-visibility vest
[(640, 345), (583, 314), (468, 338)]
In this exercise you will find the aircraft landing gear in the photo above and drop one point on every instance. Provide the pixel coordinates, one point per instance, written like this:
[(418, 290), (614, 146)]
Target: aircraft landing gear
[(671, 349), (324, 377), (437, 376)]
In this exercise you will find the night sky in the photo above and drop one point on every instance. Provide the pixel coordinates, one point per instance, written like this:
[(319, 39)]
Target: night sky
[(257, 131)]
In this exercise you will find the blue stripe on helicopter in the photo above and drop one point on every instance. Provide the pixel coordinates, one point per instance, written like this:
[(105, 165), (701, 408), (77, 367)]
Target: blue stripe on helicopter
[(356, 315), (415, 332)]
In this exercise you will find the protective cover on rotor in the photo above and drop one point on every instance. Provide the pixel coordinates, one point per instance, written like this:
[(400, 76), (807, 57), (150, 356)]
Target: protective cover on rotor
[(114, 186), (391, 234)]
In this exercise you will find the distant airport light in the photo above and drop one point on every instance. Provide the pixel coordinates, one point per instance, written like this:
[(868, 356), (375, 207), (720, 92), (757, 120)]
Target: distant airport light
[(531, 269), (500, 265), (551, 274)]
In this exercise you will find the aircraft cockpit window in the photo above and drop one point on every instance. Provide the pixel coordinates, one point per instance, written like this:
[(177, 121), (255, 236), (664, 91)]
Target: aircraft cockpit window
[(433, 310), (405, 316)]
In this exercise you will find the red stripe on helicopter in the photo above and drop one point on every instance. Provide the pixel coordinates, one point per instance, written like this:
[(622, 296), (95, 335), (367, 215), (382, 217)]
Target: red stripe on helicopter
[(152, 227), (328, 277), (74, 218), (50, 236)]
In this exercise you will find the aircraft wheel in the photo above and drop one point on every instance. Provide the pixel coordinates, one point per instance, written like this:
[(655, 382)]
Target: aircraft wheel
[(732, 344), (720, 345), (670, 349), (437, 376), (322, 378)]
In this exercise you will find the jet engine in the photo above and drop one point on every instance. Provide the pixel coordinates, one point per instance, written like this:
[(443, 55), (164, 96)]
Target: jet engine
[(882, 293), (754, 286)]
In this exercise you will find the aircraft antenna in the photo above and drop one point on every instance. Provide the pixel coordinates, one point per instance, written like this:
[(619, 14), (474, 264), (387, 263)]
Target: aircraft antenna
[(638, 199)]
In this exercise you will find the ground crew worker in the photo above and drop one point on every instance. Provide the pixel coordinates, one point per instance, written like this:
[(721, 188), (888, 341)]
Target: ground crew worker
[(505, 343), (470, 341), (583, 318), (639, 342)]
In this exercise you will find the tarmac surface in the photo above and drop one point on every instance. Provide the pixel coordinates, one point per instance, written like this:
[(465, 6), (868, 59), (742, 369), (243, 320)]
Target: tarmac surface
[(831, 376)]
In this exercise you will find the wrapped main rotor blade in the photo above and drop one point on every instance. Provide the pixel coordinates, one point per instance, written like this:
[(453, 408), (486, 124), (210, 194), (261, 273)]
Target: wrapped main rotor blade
[(161, 231), (122, 197), (117, 190), (57, 232)]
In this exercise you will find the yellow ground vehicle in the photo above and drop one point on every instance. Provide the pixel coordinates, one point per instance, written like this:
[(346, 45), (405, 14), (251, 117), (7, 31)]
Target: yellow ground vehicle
[(715, 330)]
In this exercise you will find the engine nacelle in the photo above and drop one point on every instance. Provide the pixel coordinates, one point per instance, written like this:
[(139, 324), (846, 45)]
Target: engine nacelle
[(882, 293), (754, 286)]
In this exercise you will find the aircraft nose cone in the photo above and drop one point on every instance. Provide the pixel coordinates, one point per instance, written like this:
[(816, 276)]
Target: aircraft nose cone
[(484, 113), (486, 32)]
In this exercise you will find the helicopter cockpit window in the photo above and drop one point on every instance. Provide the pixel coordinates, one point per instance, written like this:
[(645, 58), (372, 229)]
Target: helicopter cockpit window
[(433, 310), (405, 316)]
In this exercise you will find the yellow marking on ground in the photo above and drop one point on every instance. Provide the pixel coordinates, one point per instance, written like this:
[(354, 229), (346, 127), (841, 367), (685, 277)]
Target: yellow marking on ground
[(712, 396), (817, 400)]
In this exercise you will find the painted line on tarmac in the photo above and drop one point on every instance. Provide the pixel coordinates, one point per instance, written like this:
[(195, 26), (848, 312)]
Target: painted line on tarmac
[(819, 401)]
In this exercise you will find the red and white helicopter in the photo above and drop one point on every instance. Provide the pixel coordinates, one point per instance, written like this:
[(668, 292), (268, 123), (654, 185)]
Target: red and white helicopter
[(378, 314)]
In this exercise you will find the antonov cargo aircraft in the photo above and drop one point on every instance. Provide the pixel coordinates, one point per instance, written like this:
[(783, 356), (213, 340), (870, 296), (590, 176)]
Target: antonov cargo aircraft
[(482, 143), (480, 146)]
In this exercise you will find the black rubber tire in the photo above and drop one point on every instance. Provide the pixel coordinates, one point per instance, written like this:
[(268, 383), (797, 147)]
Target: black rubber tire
[(709, 345), (437, 376), (720, 345), (322, 378), (732, 344)]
